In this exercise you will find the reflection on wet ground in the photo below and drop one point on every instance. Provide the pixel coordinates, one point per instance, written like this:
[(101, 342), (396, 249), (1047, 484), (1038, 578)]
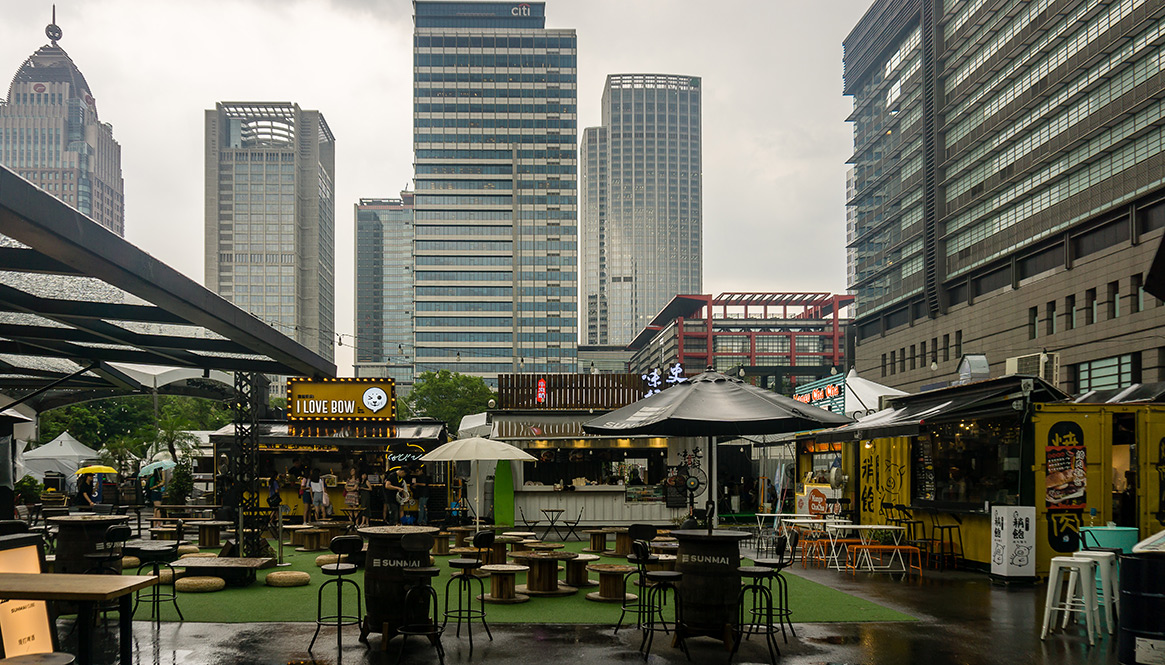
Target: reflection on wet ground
[(962, 618)]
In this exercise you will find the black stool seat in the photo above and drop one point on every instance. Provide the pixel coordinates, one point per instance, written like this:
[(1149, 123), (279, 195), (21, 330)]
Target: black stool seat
[(464, 564), (768, 563), (423, 571), (756, 572), (664, 575), (338, 568)]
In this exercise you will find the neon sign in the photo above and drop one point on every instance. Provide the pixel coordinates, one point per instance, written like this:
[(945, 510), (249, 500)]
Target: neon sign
[(540, 396)]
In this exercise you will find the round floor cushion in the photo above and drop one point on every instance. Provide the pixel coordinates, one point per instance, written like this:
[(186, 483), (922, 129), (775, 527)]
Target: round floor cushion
[(128, 562), (199, 584), (287, 578), (165, 576), (198, 555), (188, 549), (325, 559)]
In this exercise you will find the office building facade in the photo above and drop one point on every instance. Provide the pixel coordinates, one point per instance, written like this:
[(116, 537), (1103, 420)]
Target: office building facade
[(50, 135), (495, 132), (384, 289), (1008, 189), (641, 204), (270, 216)]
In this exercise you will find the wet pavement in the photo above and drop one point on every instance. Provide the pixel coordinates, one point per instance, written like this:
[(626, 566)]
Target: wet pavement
[(962, 618)]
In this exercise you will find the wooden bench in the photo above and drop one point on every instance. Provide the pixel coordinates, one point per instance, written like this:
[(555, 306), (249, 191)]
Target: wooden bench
[(912, 553), (235, 571)]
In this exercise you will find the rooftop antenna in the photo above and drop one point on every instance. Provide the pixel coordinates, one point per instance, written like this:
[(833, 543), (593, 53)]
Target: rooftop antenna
[(53, 31)]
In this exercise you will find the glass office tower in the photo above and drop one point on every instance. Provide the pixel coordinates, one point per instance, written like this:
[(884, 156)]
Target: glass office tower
[(384, 289), (494, 135)]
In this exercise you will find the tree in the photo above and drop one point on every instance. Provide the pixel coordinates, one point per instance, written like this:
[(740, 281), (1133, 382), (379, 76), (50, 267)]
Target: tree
[(449, 396)]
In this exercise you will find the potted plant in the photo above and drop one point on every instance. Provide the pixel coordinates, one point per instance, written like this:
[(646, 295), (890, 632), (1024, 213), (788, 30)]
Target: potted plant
[(28, 490), (181, 484)]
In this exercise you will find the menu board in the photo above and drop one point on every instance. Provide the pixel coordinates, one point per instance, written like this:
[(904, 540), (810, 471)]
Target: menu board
[(24, 624), (924, 489)]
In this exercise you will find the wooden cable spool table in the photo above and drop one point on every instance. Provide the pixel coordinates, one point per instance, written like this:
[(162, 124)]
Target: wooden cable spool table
[(497, 551), (611, 589), (545, 547), (293, 530), (460, 534), (598, 540), (622, 541), (441, 543), (523, 545), (542, 580), (209, 532), (503, 584), (312, 540), (333, 527), (663, 562), (576, 570)]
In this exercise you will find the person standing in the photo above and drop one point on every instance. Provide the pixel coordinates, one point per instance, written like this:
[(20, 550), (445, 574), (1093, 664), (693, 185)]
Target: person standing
[(84, 495), (156, 489), (421, 484), (394, 483), (365, 499), (316, 487), (352, 494)]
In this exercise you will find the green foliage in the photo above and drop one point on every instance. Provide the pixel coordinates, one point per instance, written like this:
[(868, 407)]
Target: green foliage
[(128, 422), (181, 483), (28, 490), (448, 396)]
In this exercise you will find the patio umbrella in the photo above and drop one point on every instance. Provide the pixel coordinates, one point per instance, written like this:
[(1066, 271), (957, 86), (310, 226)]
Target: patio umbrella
[(95, 468), (154, 466), (713, 404), (476, 449)]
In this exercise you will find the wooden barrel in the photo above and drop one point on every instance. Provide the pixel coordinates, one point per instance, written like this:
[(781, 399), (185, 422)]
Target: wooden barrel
[(384, 580), (78, 535), (711, 582)]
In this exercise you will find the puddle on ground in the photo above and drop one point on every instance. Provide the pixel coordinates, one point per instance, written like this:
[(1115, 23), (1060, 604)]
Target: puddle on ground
[(835, 639)]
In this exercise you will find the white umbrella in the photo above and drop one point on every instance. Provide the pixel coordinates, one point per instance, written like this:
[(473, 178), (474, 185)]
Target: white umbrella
[(475, 449)]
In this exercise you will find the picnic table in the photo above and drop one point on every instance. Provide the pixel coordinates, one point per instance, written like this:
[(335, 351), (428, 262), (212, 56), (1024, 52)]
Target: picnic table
[(234, 570), (87, 591)]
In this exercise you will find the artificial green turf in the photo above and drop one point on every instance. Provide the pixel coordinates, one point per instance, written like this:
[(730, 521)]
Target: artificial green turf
[(811, 602)]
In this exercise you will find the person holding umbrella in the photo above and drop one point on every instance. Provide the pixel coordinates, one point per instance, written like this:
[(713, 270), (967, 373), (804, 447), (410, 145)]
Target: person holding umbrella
[(84, 495), (155, 490)]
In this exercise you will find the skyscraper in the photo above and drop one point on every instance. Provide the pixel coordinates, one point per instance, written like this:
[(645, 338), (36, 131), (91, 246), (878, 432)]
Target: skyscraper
[(1009, 189), (384, 289), (50, 134), (641, 205), (494, 134), (270, 216)]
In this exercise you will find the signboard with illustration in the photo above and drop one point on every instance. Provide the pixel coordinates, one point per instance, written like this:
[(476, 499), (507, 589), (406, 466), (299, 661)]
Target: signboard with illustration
[(812, 502), (1013, 541), (827, 393), (341, 399), (1065, 484)]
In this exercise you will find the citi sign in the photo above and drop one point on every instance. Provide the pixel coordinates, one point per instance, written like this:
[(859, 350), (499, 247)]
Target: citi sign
[(521, 10)]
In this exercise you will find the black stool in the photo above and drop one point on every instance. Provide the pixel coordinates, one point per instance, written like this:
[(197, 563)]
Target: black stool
[(786, 554), (464, 578), (660, 582), (940, 535), (102, 562), (342, 546), (153, 557), (755, 604), (640, 533), (420, 603)]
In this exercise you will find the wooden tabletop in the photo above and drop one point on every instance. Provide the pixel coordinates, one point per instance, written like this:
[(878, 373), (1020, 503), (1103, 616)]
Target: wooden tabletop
[(543, 556), (226, 562), (610, 568), (183, 506), (504, 568), (60, 586), (395, 530), (540, 546), (86, 518)]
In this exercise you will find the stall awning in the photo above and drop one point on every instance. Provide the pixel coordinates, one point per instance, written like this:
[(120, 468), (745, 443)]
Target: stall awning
[(907, 415), (518, 427), (1138, 392), (276, 436)]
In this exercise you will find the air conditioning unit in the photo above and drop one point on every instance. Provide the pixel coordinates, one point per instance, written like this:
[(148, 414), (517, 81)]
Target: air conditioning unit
[(1048, 369)]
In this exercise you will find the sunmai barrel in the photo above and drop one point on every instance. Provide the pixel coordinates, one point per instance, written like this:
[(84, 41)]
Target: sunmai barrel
[(80, 534), (1142, 608), (384, 580), (711, 582)]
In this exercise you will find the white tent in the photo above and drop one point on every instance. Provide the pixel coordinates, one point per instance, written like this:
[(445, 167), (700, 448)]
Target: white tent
[(862, 396), (63, 454)]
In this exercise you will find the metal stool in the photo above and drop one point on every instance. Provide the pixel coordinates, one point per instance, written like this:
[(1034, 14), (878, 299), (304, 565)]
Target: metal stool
[(755, 604), (639, 557), (1107, 569), (154, 557), (464, 579), (343, 546), (940, 535), (1082, 571), (420, 595), (786, 552), (660, 582), (102, 561)]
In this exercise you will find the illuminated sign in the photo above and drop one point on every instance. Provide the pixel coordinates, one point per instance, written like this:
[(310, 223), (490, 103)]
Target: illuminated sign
[(24, 624), (827, 393), (341, 399), (540, 395), (521, 10)]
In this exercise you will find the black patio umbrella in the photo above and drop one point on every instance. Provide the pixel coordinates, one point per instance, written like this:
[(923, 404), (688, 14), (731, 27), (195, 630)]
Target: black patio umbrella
[(710, 405)]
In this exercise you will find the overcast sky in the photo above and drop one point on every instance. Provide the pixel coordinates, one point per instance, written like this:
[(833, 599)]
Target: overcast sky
[(775, 136)]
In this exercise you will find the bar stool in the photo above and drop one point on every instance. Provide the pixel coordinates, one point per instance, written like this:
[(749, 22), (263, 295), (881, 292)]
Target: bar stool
[(658, 583), (102, 561), (940, 536), (755, 607), (786, 554), (464, 579), (420, 604), (343, 546), (1107, 569), (638, 601), (1068, 600), (153, 557)]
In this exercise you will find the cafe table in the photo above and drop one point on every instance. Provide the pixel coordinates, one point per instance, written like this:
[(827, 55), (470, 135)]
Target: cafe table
[(87, 591), (542, 580), (865, 533), (553, 515)]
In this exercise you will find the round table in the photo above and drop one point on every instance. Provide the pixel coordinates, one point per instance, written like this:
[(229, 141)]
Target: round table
[(497, 552), (209, 532), (611, 589), (441, 543), (622, 541), (545, 547), (384, 579), (542, 580), (576, 570), (502, 584), (598, 540), (78, 535), (460, 533)]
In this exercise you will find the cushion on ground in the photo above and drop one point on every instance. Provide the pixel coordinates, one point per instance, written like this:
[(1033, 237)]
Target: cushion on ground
[(188, 549), (199, 555), (165, 576), (325, 559), (287, 578), (199, 584), (128, 562)]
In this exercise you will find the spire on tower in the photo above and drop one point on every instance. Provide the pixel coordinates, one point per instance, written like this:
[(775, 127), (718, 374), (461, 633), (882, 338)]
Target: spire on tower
[(53, 31)]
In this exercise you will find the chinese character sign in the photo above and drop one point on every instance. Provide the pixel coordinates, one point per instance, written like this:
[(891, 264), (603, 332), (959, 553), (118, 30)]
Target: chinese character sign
[(1067, 475), (1013, 541), (654, 380)]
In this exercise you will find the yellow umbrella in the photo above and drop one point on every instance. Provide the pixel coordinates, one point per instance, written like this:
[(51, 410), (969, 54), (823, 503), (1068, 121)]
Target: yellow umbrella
[(95, 468)]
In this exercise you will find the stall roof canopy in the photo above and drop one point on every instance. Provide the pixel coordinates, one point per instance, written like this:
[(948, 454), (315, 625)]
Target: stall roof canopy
[(907, 415), (75, 297), (539, 425), (404, 432), (1138, 392)]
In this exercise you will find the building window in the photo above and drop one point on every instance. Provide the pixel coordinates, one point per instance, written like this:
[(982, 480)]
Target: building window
[(1090, 307), (902, 359), (913, 358), (1108, 373), (1114, 300), (1137, 302), (922, 355), (893, 364), (1051, 317), (883, 364), (959, 344), (1033, 319), (946, 348), (934, 349), (1070, 307)]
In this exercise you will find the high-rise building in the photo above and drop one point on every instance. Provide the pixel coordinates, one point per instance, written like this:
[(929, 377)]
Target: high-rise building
[(50, 134), (641, 203), (494, 135), (384, 289), (270, 216), (1009, 189)]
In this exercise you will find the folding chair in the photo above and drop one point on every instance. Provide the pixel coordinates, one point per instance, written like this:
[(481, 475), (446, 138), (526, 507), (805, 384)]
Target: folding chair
[(529, 524), (571, 526)]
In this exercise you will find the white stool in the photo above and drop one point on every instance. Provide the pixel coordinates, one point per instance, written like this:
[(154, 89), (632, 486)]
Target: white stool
[(1106, 564), (1080, 571)]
